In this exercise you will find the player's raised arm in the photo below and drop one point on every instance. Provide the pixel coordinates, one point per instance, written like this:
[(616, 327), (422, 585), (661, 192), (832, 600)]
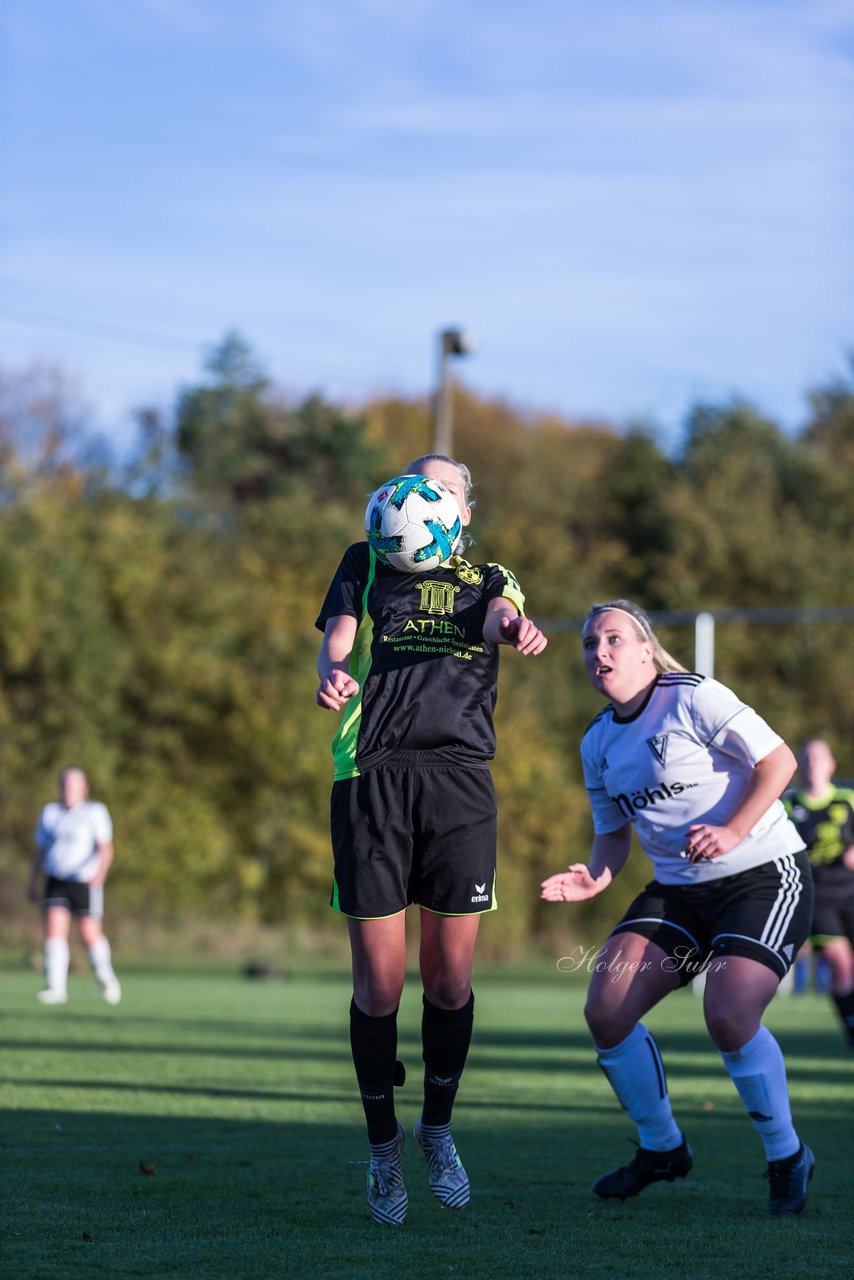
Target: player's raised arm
[(336, 686), (505, 625)]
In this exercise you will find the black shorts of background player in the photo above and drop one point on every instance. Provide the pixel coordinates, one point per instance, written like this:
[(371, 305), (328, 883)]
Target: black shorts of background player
[(824, 816), (411, 662), (698, 775)]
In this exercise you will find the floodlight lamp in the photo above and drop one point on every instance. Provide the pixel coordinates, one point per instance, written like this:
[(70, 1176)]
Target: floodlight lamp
[(456, 342)]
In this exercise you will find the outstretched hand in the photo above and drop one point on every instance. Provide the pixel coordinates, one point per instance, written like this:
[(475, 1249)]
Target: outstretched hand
[(523, 634), (574, 885), (336, 690)]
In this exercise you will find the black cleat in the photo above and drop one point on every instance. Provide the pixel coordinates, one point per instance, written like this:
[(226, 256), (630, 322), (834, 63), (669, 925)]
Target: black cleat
[(647, 1167), (788, 1182)]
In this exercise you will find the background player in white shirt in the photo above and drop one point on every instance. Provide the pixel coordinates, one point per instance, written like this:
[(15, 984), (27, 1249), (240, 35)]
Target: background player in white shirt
[(699, 775), (74, 850)]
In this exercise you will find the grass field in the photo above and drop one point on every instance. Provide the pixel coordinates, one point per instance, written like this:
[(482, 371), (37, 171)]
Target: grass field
[(209, 1128)]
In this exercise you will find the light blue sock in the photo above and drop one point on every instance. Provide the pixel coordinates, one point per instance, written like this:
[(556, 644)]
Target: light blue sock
[(758, 1072), (636, 1074)]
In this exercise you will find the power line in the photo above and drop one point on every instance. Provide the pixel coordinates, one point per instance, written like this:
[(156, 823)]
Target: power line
[(84, 327), (77, 327)]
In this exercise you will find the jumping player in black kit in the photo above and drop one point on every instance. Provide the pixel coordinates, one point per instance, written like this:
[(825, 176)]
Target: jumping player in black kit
[(824, 816), (411, 662), (699, 775)]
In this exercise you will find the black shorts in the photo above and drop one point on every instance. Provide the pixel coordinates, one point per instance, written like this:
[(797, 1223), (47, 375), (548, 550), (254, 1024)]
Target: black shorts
[(78, 898), (414, 833), (833, 913), (763, 913)]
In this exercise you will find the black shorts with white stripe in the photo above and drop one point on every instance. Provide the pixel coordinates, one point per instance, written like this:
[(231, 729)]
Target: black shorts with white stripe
[(76, 896), (764, 914)]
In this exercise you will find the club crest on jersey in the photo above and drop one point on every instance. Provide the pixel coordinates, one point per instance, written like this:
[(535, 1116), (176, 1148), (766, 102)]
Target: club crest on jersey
[(437, 597), (658, 746), (469, 574)]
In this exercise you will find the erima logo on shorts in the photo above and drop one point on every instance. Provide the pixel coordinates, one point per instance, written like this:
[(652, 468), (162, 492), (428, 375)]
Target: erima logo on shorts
[(479, 895)]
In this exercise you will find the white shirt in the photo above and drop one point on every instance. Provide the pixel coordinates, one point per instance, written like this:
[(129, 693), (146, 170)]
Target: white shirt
[(69, 838), (686, 756)]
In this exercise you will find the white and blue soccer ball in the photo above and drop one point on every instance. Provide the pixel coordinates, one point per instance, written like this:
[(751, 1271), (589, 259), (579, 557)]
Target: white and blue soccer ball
[(413, 523)]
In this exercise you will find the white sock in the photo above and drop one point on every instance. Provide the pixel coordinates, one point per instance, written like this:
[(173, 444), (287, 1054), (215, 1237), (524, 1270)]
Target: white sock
[(758, 1072), (100, 958), (56, 964), (636, 1074)]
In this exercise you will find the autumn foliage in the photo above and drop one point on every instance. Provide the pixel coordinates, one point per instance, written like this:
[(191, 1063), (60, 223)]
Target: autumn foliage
[(157, 621)]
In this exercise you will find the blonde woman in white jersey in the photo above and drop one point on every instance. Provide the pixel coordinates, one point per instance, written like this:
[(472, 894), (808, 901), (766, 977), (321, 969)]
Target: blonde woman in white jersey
[(74, 851), (699, 775)]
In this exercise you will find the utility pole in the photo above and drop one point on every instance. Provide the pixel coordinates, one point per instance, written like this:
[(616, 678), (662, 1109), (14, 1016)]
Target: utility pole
[(452, 342)]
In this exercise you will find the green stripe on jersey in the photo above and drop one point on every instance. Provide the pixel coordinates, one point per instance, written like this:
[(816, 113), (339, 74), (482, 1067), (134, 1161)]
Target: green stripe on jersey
[(512, 591), (345, 741)]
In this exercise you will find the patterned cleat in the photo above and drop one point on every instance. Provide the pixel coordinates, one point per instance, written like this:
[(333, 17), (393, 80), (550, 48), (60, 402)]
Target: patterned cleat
[(51, 996), (447, 1177), (645, 1168), (387, 1198), (788, 1182), (111, 991)]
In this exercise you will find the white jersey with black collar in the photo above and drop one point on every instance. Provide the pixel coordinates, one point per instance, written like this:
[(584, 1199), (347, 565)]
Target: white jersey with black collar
[(685, 756), (69, 839)]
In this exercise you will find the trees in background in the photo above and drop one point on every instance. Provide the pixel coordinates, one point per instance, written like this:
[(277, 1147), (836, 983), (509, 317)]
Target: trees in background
[(158, 623)]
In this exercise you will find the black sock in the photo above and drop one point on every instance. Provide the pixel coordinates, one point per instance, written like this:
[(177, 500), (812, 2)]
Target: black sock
[(845, 1006), (374, 1045), (446, 1036)]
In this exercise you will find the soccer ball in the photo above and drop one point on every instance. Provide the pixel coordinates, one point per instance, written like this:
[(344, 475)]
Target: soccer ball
[(413, 523)]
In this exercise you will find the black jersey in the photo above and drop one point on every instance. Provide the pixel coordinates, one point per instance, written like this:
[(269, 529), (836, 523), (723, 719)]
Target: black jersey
[(427, 678), (826, 825)]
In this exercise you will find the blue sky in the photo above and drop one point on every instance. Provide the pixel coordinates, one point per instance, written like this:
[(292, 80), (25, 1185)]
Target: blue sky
[(631, 205)]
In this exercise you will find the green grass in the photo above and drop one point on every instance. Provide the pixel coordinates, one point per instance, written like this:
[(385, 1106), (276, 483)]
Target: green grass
[(240, 1095)]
